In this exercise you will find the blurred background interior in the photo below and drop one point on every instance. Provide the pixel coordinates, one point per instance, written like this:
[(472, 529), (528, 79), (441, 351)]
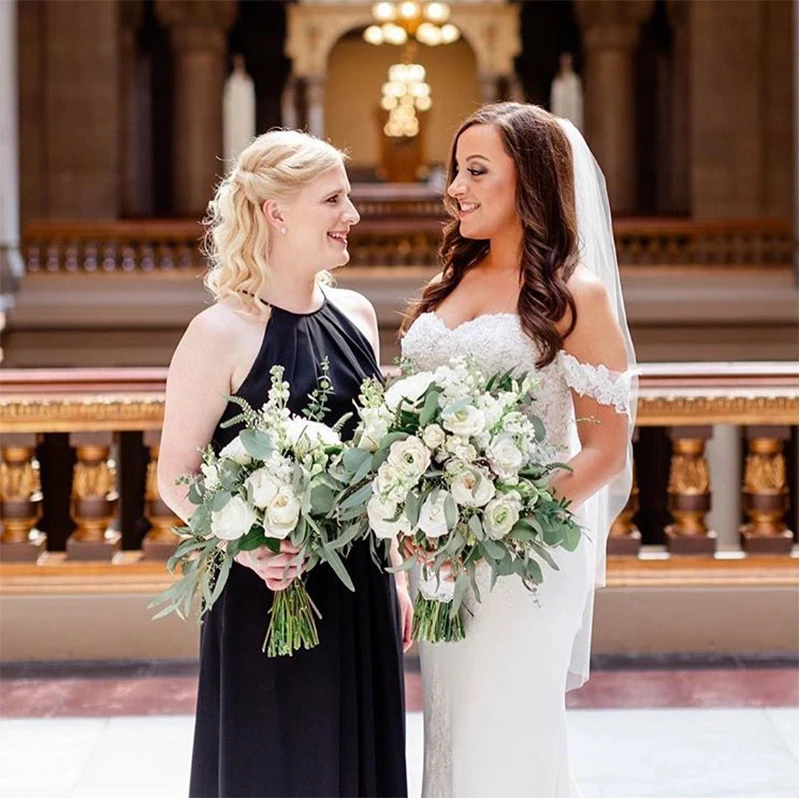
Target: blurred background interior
[(116, 119)]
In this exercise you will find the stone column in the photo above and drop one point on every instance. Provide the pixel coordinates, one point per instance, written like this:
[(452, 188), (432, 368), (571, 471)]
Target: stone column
[(679, 195), (198, 30), (610, 34), (315, 105), (489, 88), (289, 103), (11, 267)]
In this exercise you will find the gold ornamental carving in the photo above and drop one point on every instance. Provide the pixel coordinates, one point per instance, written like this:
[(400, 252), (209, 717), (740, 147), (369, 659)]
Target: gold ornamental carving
[(20, 504), (688, 472), (765, 470), (19, 477)]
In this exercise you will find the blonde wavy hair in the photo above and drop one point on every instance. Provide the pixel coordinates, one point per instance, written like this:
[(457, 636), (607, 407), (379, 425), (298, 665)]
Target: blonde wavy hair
[(274, 166)]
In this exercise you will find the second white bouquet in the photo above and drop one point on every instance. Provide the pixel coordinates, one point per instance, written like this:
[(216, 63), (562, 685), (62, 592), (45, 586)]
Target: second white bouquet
[(457, 465)]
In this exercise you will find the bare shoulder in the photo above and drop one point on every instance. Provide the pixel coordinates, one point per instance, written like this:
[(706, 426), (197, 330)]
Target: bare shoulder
[(352, 303), (587, 289), (359, 310), (597, 337)]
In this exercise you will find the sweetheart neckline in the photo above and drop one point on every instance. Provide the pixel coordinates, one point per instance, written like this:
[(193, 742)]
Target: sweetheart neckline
[(466, 322)]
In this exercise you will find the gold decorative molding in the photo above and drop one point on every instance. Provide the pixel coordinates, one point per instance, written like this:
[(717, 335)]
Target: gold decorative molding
[(81, 413), (672, 408)]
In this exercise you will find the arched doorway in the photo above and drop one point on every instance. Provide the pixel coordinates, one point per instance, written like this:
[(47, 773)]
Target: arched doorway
[(355, 74)]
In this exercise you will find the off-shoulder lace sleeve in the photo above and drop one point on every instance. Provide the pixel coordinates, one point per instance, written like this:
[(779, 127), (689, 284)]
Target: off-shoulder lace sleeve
[(608, 387)]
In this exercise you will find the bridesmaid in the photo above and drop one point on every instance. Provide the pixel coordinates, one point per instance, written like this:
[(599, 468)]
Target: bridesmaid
[(329, 721)]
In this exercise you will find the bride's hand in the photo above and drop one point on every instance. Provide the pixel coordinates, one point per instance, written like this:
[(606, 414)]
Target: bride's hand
[(406, 615), (272, 567)]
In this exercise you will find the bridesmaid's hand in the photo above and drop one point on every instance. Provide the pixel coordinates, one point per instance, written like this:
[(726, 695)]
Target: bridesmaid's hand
[(406, 615), (272, 567)]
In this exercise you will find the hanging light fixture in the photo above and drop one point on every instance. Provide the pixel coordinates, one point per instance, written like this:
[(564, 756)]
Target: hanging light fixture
[(398, 22), (404, 93)]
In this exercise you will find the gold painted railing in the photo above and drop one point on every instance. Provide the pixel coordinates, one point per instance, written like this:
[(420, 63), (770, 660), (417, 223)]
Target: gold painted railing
[(403, 231), (94, 412)]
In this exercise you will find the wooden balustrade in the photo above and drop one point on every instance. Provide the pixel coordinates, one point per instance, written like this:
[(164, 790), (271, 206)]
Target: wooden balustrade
[(394, 231), (95, 406)]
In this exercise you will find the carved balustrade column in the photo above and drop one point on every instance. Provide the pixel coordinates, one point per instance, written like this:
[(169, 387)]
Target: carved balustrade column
[(689, 493), (199, 34), (765, 492), (160, 541), (624, 538), (20, 499), (94, 499), (610, 35)]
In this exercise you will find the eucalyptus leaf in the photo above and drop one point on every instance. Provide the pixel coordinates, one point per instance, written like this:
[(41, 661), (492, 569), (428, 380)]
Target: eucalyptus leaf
[(450, 512), (413, 505), (459, 590), (358, 499), (387, 441), (258, 444), (476, 526), (321, 499), (219, 501), (332, 557), (493, 550), (430, 407)]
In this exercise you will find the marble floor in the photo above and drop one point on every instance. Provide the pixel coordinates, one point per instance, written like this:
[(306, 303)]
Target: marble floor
[(126, 732)]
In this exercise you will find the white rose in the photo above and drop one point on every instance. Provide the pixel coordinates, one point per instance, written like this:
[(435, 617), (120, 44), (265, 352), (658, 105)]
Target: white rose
[(234, 451), (410, 388), (410, 456), (262, 487), (461, 448), (504, 456), (310, 434), (233, 521), (501, 515), (467, 421), (282, 514), (210, 476), (432, 521), (433, 436), (472, 489), (392, 483), (374, 426), (381, 518)]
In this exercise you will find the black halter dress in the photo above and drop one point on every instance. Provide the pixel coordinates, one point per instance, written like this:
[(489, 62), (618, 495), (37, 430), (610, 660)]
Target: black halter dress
[(325, 722)]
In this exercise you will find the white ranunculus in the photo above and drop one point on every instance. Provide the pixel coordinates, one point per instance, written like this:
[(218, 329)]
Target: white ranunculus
[(234, 520), (410, 456), (410, 388), (392, 483), (461, 448), (467, 421), (501, 515), (374, 426), (381, 518), (433, 436), (210, 476), (432, 521), (282, 514), (310, 434), (504, 456), (234, 451), (262, 487), (472, 489)]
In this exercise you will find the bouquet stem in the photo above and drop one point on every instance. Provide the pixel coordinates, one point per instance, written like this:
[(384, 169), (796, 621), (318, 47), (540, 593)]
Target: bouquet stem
[(291, 624), (434, 623)]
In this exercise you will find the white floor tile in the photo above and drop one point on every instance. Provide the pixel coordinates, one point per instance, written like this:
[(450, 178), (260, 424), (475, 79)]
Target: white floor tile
[(619, 753)]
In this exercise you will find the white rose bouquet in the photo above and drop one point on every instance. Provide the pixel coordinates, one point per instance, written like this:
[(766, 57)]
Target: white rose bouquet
[(274, 481), (458, 464)]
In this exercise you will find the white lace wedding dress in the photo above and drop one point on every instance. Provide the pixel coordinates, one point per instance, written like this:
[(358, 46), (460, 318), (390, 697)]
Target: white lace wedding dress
[(495, 723)]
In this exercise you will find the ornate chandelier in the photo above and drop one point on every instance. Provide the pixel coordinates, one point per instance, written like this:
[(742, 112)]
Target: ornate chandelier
[(397, 22), (404, 93)]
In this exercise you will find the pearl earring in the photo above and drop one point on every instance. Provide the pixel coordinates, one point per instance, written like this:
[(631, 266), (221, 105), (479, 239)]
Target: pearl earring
[(283, 230)]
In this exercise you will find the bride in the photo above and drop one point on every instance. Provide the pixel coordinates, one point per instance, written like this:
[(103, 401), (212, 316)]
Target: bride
[(529, 281)]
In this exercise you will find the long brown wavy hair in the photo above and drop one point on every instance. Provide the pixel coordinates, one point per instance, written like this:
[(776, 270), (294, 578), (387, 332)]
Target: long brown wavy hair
[(545, 203)]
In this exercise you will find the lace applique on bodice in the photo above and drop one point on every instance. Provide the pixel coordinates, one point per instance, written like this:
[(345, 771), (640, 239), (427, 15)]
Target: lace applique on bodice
[(498, 342)]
